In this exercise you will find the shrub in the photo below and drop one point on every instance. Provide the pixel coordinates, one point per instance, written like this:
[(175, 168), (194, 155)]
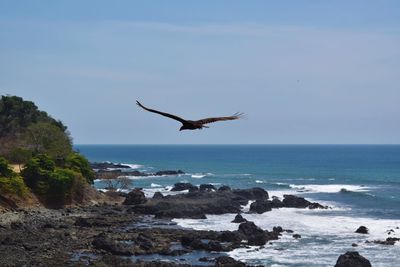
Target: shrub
[(60, 183), (37, 172), (5, 170), (79, 163), (52, 184), (10, 182), (13, 185)]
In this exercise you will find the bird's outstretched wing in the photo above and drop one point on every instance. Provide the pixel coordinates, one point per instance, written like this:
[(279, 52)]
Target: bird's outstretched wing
[(161, 113), (229, 118)]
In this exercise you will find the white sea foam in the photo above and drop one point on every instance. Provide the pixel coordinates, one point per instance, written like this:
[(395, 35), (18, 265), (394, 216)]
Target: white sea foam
[(149, 192), (329, 188), (259, 182), (324, 237), (197, 175), (155, 185), (132, 166)]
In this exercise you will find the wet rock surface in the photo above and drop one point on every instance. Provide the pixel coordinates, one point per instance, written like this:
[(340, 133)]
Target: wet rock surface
[(115, 234), (135, 197), (109, 170), (352, 259), (362, 230)]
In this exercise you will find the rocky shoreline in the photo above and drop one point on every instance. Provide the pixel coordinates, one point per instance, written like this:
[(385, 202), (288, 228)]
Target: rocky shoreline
[(140, 232), (109, 170)]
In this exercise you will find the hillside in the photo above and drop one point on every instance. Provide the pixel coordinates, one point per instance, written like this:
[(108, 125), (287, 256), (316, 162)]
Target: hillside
[(38, 165)]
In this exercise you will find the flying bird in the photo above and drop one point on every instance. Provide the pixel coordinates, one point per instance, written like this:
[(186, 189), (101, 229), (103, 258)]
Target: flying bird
[(193, 125)]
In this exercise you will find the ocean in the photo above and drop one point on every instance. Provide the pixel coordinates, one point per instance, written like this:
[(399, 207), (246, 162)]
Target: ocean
[(361, 184)]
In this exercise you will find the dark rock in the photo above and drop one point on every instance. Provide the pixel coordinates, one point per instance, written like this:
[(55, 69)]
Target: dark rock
[(193, 189), (82, 222), (104, 243), (214, 246), (354, 245), (182, 186), (252, 233), (193, 242), (315, 205), (108, 165), (239, 219), (290, 201), (362, 230), (169, 172), (228, 236), (352, 259), (207, 187), (135, 197), (205, 259), (277, 229), (389, 241), (224, 188), (296, 236), (158, 195), (228, 262), (276, 202), (261, 206), (255, 193), (197, 204), (16, 225), (144, 242)]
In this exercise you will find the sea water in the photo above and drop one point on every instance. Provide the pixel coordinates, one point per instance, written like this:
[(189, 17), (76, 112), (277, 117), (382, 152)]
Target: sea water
[(361, 184)]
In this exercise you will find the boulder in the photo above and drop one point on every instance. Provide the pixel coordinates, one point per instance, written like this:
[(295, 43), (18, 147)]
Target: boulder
[(315, 205), (352, 259), (362, 230), (389, 241), (224, 188), (276, 202), (158, 195), (252, 233), (104, 243), (207, 187), (182, 186), (214, 246), (239, 219), (169, 172), (193, 189), (261, 206), (255, 193), (291, 201), (135, 197), (225, 261), (228, 236)]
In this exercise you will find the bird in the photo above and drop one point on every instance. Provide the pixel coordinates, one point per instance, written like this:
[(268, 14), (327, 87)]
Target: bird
[(193, 125)]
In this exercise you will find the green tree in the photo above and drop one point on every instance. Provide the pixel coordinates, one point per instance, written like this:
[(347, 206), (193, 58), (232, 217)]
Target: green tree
[(47, 138), (52, 184), (16, 116), (79, 163)]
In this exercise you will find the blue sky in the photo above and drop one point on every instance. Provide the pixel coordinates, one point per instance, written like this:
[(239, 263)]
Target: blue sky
[(304, 72)]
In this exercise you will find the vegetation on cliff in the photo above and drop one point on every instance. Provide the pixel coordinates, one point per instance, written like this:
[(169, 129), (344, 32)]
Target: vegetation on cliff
[(42, 147)]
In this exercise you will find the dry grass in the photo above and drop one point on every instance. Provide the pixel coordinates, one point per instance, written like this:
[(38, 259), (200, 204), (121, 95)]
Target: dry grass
[(16, 168)]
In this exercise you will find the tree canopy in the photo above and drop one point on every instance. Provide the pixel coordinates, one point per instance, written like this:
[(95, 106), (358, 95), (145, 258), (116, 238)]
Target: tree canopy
[(24, 126)]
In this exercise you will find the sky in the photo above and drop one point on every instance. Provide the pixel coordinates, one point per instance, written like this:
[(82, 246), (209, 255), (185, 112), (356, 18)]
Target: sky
[(303, 72)]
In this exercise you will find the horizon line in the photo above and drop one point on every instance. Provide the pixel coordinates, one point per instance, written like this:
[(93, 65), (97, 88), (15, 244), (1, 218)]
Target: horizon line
[(260, 144)]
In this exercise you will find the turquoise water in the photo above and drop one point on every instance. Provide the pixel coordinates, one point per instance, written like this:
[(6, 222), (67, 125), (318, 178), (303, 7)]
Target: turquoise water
[(360, 182), (275, 167)]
